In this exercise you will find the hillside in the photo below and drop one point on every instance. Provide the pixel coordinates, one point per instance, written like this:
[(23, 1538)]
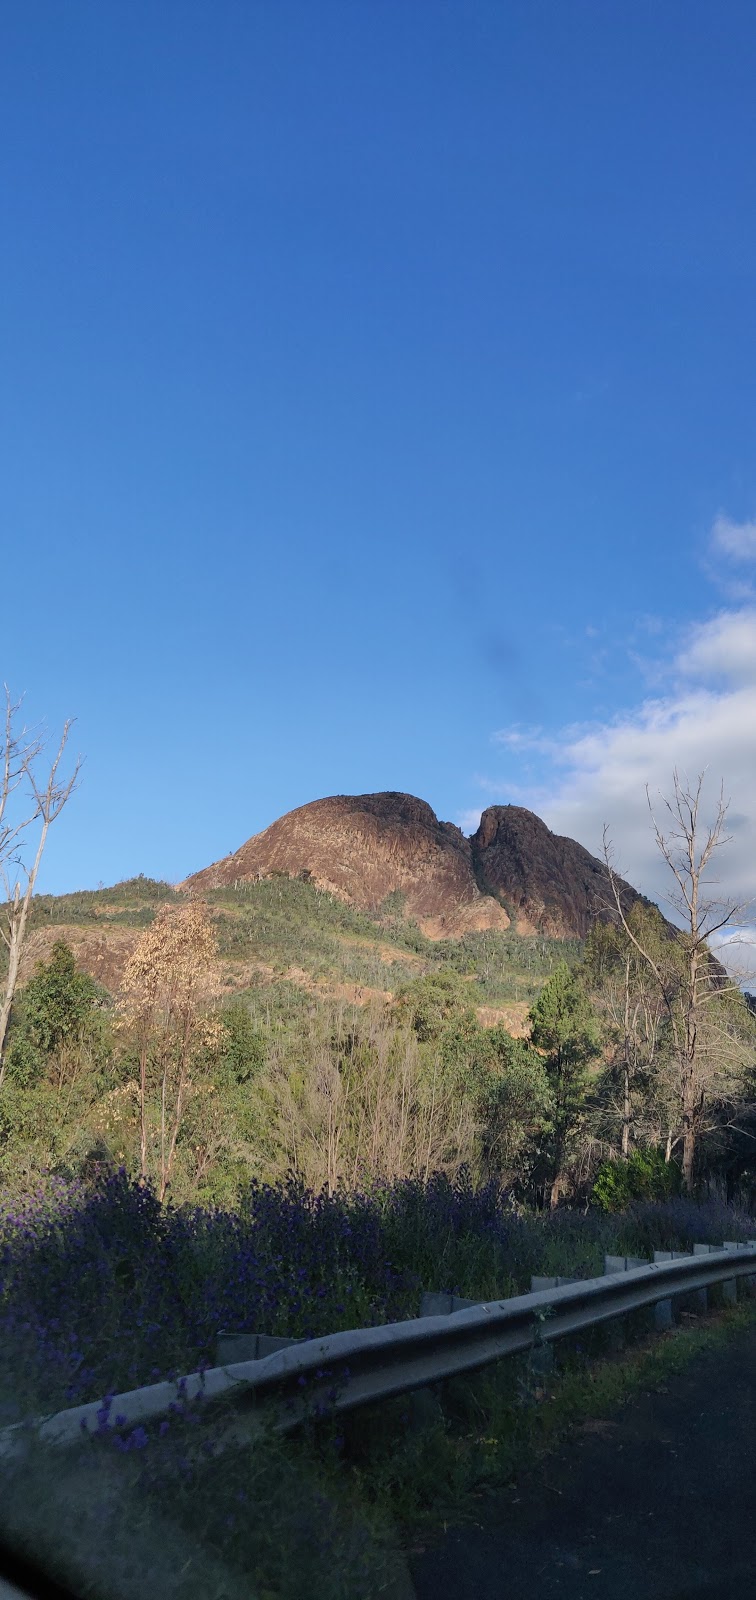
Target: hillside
[(286, 934), (366, 848), (306, 1068), (351, 897)]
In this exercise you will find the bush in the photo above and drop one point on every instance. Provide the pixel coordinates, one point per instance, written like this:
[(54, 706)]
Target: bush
[(645, 1175), (103, 1289)]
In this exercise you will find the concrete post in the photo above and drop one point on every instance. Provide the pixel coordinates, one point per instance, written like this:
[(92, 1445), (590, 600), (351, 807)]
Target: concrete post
[(538, 1283), (232, 1347), (542, 1354), (424, 1407), (698, 1300), (617, 1326), (728, 1289), (664, 1310), (623, 1263), (435, 1304), (749, 1284), (441, 1304)]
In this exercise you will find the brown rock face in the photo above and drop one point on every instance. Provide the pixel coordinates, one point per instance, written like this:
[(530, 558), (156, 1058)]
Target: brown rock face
[(365, 847), (549, 884)]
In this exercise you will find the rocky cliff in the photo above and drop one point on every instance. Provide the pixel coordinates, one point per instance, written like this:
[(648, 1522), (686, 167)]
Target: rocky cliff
[(366, 847), (549, 884)]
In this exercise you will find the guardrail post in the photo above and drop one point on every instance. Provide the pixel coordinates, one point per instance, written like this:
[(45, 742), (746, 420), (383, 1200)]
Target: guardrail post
[(538, 1283), (697, 1299), (542, 1354), (749, 1284), (231, 1347), (616, 1328), (729, 1288), (542, 1359), (435, 1304), (424, 1407), (439, 1303), (623, 1263)]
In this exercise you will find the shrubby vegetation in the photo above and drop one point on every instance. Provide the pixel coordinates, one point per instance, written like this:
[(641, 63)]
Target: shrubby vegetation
[(104, 1288), (185, 1077), (274, 1154)]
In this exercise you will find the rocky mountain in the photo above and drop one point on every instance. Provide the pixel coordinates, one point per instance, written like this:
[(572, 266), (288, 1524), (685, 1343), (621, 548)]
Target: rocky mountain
[(549, 884), (363, 848)]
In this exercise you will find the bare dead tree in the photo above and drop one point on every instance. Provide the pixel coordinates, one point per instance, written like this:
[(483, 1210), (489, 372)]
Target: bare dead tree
[(31, 800), (688, 980), (633, 1011)]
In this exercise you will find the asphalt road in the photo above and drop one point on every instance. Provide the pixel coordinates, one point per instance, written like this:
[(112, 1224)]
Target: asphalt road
[(659, 1502)]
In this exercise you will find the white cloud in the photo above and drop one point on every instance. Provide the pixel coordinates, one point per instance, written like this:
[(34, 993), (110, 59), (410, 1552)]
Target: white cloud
[(706, 721), (736, 540), (736, 948), (724, 647), (519, 738)]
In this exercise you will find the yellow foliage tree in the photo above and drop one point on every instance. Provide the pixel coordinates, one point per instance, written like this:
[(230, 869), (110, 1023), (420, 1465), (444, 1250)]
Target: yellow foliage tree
[(168, 984)]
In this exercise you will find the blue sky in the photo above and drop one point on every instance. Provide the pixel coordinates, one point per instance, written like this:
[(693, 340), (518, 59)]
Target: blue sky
[(378, 410)]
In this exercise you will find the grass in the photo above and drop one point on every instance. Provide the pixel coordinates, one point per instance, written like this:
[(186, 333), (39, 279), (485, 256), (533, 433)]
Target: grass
[(433, 1465), (279, 1521), (321, 1516)]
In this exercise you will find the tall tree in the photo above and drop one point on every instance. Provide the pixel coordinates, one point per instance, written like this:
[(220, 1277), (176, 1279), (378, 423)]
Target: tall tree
[(32, 796), (163, 1002), (564, 1028), (691, 985), (631, 1012)]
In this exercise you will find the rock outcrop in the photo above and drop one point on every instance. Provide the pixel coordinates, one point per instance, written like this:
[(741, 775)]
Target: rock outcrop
[(364, 848), (548, 884)]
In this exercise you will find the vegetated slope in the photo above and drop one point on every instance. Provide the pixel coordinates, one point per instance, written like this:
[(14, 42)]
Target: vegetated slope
[(286, 934), (351, 897), (365, 848)]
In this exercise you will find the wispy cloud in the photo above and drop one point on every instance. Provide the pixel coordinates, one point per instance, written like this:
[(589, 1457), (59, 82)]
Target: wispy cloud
[(468, 820), (736, 948), (519, 738), (735, 540), (730, 558)]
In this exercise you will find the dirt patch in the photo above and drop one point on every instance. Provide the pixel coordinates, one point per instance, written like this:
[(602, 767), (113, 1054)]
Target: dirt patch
[(236, 975), (103, 956), (513, 1017)]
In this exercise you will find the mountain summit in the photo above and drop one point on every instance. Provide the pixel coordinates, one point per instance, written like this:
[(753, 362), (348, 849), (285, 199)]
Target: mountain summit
[(362, 848)]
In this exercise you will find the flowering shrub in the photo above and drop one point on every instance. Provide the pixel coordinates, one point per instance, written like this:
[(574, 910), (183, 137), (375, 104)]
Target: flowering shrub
[(103, 1289), (679, 1223)]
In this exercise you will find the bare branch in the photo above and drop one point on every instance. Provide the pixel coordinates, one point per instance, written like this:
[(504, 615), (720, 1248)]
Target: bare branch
[(20, 757), (707, 1058)]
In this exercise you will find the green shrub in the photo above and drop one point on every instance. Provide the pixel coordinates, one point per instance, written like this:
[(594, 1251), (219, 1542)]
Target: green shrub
[(243, 1055), (645, 1175)]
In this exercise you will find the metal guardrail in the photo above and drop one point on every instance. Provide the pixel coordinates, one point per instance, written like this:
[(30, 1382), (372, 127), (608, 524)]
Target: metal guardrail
[(344, 1370)]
